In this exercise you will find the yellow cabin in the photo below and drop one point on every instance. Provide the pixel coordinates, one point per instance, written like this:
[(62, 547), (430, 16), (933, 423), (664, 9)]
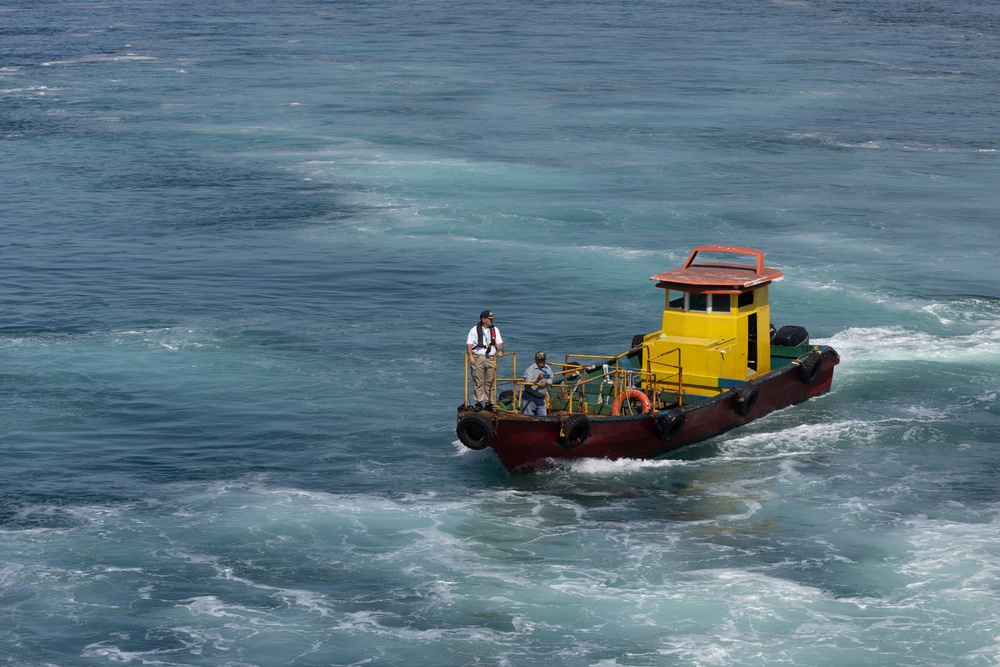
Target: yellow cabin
[(717, 316)]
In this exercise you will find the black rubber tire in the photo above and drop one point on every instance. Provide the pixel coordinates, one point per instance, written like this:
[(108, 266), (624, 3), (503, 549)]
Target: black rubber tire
[(575, 431), (475, 430), (746, 399), (670, 424), (809, 370)]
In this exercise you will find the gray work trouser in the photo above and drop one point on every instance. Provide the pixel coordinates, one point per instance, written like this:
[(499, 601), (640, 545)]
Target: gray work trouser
[(533, 405)]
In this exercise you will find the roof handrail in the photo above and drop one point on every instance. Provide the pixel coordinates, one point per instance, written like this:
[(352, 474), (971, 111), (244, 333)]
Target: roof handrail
[(730, 249)]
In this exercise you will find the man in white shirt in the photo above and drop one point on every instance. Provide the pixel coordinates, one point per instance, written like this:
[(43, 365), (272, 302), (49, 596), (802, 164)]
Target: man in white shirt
[(483, 345)]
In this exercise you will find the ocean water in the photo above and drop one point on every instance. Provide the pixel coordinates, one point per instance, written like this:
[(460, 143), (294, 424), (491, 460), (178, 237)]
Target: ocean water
[(242, 243)]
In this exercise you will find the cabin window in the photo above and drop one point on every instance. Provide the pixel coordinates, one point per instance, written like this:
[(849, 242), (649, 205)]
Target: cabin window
[(746, 299), (699, 302), (675, 300)]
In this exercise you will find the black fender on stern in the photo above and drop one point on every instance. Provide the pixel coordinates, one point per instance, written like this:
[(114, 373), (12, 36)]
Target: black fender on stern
[(475, 430), (574, 431), (809, 369)]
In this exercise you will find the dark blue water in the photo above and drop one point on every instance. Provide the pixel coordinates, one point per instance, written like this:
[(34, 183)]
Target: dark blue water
[(243, 242)]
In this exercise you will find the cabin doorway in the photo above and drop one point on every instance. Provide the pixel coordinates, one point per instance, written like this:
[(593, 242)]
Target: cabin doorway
[(752, 343)]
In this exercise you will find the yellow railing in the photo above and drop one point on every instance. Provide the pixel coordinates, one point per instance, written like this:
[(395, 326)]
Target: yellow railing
[(577, 379), (667, 377), (499, 381)]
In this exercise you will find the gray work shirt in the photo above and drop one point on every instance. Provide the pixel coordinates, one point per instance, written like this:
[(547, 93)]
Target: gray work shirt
[(533, 375)]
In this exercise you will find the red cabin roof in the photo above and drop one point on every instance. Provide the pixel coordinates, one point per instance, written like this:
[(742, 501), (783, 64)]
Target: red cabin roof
[(718, 276)]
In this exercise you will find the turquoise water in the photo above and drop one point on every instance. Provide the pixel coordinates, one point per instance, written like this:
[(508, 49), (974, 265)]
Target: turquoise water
[(242, 246)]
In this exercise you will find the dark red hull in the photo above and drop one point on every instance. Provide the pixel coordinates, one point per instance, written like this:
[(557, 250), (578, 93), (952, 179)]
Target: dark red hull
[(526, 443)]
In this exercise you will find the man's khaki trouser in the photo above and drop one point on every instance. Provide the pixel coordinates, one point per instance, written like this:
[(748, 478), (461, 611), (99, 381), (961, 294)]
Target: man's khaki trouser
[(483, 378)]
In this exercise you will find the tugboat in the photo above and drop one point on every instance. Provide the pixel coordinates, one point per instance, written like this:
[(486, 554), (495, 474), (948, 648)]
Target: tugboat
[(716, 363)]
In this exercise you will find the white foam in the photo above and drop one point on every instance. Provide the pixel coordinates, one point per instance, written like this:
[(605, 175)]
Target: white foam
[(896, 343), (128, 57), (602, 467), (793, 441), (36, 90), (979, 312), (112, 653)]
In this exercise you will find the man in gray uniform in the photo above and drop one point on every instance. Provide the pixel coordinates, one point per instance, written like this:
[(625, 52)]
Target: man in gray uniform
[(537, 379)]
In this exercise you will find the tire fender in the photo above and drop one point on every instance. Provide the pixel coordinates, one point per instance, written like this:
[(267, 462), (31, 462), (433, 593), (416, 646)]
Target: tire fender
[(475, 430), (745, 399), (670, 423), (810, 366), (574, 431)]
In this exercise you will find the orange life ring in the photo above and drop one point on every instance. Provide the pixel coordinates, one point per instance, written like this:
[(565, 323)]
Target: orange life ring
[(616, 407)]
